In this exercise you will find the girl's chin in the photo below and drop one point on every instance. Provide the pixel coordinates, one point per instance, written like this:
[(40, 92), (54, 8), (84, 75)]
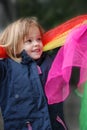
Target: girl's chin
[(36, 58)]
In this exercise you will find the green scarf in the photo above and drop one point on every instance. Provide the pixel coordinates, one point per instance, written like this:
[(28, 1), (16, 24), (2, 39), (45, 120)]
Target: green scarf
[(83, 112)]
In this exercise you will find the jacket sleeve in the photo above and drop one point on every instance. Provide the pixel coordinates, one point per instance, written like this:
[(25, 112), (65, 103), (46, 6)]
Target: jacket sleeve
[(2, 70)]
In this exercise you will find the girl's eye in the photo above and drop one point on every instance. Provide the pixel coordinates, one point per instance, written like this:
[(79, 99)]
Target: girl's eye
[(28, 41), (39, 39)]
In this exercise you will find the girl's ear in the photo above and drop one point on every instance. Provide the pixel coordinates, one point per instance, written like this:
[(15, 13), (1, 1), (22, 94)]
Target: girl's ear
[(3, 52)]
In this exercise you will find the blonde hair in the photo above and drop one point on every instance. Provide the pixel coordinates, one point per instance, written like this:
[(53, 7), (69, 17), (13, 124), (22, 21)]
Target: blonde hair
[(15, 33)]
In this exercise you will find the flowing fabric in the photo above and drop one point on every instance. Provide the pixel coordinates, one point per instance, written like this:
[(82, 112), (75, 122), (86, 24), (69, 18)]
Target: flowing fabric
[(56, 37), (73, 53), (3, 52)]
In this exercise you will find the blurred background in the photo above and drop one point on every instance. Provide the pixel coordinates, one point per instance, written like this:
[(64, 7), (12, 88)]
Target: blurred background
[(50, 14)]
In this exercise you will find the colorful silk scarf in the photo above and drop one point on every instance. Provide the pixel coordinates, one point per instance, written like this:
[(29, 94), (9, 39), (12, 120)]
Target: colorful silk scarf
[(73, 53)]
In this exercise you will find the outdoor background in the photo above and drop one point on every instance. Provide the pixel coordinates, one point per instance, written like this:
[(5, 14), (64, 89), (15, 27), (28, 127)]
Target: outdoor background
[(50, 13)]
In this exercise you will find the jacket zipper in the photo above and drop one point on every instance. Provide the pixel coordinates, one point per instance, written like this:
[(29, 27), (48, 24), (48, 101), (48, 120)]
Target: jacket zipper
[(29, 126), (61, 122)]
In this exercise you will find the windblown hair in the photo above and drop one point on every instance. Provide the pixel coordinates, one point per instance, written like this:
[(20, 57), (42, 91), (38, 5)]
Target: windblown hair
[(15, 33)]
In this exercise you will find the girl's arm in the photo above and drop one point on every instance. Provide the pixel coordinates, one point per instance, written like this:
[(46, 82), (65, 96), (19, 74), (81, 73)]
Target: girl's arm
[(2, 69)]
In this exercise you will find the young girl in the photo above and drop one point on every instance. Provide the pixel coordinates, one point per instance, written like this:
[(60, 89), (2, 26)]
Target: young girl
[(22, 79)]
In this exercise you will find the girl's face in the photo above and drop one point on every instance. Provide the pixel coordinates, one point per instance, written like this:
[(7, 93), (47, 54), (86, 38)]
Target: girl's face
[(33, 43)]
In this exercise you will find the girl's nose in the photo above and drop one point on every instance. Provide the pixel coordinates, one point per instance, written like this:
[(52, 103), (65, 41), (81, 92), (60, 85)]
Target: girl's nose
[(35, 43)]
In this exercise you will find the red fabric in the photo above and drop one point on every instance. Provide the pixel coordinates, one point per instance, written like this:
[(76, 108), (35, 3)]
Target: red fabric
[(3, 52), (55, 32)]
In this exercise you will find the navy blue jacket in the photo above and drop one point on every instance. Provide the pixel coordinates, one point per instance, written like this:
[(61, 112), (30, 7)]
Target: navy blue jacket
[(22, 98)]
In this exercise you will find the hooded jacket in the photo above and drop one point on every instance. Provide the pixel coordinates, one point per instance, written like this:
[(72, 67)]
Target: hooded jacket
[(22, 97)]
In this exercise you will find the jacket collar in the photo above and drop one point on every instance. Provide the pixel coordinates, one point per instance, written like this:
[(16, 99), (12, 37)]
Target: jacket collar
[(26, 59)]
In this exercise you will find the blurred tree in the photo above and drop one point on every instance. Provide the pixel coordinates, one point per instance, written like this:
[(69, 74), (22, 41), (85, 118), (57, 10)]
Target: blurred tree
[(7, 10), (51, 13)]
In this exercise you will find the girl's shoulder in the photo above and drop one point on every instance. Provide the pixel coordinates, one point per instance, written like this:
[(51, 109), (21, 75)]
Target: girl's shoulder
[(1, 58), (5, 61)]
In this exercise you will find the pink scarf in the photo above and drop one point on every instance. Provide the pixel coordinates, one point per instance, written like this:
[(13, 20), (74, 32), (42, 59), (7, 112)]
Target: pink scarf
[(73, 53)]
